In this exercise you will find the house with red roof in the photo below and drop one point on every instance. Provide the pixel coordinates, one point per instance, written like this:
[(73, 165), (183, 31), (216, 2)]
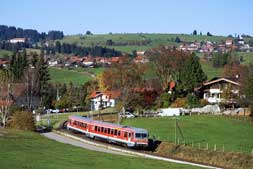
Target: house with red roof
[(100, 100)]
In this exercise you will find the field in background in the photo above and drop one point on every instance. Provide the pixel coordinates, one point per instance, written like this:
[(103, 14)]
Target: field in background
[(155, 40), (235, 135), (5, 53), (26, 150)]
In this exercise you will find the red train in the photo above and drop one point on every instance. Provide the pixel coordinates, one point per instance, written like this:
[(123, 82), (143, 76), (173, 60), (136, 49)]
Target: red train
[(128, 136)]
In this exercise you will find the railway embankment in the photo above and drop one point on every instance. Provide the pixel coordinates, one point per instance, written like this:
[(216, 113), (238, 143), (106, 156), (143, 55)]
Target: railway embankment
[(231, 160)]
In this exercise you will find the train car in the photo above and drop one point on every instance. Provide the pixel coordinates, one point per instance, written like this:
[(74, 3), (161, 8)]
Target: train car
[(128, 136)]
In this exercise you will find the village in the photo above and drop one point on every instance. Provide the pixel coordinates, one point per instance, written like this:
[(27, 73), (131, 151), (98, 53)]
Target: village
[(126, 85)]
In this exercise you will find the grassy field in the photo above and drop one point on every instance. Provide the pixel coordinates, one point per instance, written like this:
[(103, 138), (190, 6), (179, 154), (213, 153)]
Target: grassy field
[(58, 75), (210, 71), (235, 135), (77, 76), (155, 40), (4, 53), (26, 150), (247, 57)]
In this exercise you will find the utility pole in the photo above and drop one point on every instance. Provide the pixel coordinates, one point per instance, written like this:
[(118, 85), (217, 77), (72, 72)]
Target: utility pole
[(176, 130)]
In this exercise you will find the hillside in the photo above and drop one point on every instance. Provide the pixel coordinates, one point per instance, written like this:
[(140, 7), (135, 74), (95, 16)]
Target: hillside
[(152, 39)]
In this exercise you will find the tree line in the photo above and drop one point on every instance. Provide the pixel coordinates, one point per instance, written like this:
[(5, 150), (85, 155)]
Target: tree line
[(66, 48), (10, 32)]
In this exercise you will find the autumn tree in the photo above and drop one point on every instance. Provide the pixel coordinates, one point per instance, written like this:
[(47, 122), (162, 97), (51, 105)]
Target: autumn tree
[(167, 62), (126, 78), (234, 70)]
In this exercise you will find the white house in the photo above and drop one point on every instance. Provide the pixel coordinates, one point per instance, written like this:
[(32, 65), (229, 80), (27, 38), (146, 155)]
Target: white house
[(17, 40), (100, 100), (220, 90)]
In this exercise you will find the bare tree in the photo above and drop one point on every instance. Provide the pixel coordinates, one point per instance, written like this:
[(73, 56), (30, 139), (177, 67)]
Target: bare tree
[(4, 97)]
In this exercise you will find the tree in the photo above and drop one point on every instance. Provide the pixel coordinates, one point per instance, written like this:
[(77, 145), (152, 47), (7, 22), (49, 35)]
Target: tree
[(4, 99), (166, 63), (88, 32), (41, 79), (195, 32), (126, 78), (247, 88), (18, 65), (191, 75), (177, 40), (209, 34)]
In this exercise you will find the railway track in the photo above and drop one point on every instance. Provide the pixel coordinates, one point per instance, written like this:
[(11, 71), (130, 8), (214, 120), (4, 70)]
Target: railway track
[(127, 151)]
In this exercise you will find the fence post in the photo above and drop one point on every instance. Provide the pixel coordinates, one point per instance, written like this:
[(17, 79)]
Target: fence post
[(193, 145), (223, 148), (252, 152), (214, 147), (199, 145)]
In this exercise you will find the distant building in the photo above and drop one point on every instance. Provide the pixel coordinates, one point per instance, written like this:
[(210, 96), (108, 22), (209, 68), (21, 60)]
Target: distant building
[(18, 40), (229, 42), (140, 52)]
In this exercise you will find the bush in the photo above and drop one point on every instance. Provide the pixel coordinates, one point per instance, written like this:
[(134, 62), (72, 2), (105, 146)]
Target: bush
[(179, 102), (192, 100), (22, 120)]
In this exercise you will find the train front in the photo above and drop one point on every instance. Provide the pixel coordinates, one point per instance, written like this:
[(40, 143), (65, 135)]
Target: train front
[(141, 137)]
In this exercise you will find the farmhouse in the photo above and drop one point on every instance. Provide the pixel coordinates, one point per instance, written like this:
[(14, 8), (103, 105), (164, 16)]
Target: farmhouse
[(219, 90), (18, 40), (100, 100)]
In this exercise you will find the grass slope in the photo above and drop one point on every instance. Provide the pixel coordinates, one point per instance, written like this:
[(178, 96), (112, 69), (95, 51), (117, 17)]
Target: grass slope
[(58, 75), (156, 40), (25, 150), (233, 134), (4, 53)]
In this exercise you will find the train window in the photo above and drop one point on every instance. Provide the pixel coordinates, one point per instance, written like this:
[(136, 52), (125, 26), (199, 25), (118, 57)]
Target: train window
[(129, 135), (115, 132), (118, 133), (84, 125), (125, 134), (112, 131), (102, 129), (96, 128), (105, 130), (109, 130)]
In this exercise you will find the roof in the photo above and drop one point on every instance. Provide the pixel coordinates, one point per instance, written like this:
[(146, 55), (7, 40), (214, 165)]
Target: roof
[(172, 85), (88, 120), (110, 94), (95, 94), (18, 39), (221, 79)]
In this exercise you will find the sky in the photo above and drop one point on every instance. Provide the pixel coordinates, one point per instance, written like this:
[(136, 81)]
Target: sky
[(220, 17)]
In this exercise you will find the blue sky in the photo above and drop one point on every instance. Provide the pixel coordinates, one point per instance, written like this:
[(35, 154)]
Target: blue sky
[(220, 17)]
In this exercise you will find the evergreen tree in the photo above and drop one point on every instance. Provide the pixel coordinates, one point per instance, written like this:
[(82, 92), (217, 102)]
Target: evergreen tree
[(191, 75), (42, 78)]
